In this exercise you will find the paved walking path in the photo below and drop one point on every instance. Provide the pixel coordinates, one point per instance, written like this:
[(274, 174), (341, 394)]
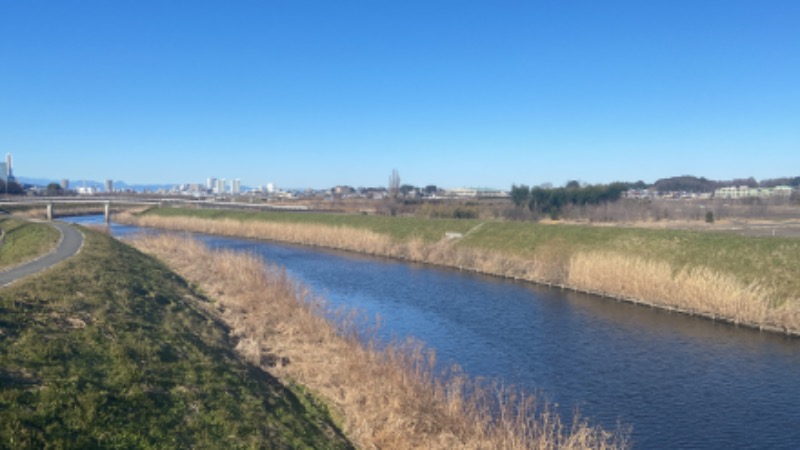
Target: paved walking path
[(70, 244)]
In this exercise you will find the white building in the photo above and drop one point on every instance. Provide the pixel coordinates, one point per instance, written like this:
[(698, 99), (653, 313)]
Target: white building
[(87, 190), (9, 167), (475, 192), (236, 186), (734, 192), (220, 186)]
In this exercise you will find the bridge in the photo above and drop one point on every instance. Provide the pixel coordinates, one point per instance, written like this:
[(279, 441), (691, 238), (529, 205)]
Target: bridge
[(51, 202)]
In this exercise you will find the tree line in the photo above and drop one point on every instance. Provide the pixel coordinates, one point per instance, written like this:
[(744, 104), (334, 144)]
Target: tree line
[(551, 201), (688, 183), (13, 188)]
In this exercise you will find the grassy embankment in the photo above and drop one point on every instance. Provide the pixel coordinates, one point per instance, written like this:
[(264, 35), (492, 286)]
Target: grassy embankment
[(388, 397), (110, 349), (750, 281), (23, 241)]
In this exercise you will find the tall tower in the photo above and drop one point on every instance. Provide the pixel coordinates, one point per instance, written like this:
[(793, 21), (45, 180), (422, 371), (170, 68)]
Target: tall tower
[(9, 170)]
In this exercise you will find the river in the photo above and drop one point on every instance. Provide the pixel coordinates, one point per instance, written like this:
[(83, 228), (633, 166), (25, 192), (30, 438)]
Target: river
[(676, 381)]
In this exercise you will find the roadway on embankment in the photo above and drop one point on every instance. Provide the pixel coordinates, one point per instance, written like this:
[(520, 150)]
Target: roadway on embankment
[(69, 245)]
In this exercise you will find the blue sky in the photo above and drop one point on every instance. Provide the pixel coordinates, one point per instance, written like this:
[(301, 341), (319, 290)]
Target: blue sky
[(453, 93)]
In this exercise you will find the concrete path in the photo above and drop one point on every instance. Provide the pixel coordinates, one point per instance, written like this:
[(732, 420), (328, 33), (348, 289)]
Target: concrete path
[(70, 244)]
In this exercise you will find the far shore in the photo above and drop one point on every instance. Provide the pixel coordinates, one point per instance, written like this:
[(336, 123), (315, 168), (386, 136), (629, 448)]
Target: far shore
[(748, 282)]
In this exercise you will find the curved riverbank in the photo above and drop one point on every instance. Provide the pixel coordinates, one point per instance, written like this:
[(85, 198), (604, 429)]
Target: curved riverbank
[(386, 396), (667, 270)]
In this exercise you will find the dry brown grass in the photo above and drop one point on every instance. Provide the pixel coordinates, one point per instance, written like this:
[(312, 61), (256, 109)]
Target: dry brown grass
[(386, 397), (344, 238), (695, 291), (698, 291)]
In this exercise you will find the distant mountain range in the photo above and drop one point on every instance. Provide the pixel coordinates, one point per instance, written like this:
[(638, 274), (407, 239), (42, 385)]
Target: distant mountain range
[(118, 185)]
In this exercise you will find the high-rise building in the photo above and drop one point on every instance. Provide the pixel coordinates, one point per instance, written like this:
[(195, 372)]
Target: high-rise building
[(220, 186), (236, 186), (65, 184), (211, 183), (6, 171), (109, 186)]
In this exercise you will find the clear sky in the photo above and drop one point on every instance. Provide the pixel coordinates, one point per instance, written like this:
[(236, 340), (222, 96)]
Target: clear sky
[(453, 93)]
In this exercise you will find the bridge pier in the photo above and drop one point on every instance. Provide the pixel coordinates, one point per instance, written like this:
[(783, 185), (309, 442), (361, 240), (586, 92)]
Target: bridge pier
[(107, 210), (50, 211)]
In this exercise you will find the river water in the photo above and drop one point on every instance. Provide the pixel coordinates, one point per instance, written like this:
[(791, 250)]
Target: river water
[(676, 381)]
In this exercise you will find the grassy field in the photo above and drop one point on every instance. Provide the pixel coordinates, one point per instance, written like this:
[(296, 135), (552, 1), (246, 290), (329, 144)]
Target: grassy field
[(25, 241), (113, 350), (748, 280)]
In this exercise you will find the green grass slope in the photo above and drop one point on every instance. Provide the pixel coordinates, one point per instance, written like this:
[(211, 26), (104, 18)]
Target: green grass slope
[(110, 349), (25, 241)]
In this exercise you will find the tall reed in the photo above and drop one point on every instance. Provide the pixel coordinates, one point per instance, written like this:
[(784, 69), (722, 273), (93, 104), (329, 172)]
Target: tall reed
[(387, 396), (699, 291), (695, 291)]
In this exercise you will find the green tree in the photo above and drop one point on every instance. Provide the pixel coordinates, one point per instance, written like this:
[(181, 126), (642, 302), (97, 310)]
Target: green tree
[(520, 195), (54, 189), (406, 189), (551, 201), (13, 188)]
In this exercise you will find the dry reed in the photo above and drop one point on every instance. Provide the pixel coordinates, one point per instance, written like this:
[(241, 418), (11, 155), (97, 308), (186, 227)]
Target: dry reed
[(387, 396), (695, 291), (698, 291)]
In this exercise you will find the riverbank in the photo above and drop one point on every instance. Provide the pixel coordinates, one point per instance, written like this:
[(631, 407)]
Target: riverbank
[(386, 396), (110, 349), (747, 281)]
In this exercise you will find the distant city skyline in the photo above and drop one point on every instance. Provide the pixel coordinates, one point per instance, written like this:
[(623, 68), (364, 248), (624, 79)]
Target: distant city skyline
[(452, 93), (234, 185)]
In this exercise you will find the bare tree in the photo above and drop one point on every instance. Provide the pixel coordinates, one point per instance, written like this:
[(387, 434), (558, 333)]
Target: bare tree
[(394, 184)]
